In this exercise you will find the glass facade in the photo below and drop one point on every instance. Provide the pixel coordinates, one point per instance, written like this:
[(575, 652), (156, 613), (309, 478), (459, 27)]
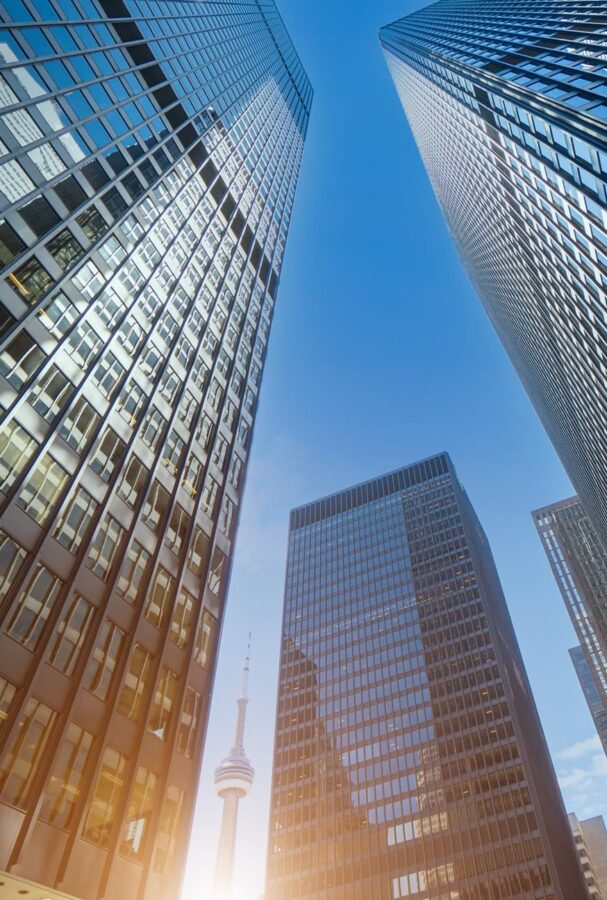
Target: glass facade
[(149, 156), (409, 758), (579, 565), (508, 106)]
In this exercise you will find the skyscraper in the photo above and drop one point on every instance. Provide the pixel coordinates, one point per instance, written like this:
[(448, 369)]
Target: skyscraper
[(579, 564), (508, 106), (409, 758), (591, 844), (150, 155)]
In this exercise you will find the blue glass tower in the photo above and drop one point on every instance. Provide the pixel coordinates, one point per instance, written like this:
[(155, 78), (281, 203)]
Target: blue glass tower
[(507, 102)]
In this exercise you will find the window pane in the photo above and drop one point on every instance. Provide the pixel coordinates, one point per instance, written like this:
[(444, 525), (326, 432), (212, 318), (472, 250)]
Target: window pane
[(72, 633), (158, 599), (139, 812), (132, 571), (162, 703), (102, 811), (41, 491), (11, 560), (99, 673), (181, 622), (16, 449), (188, 723), (75, 520), (63, 791), (104, 549), (135, 683), (32, 607), (7, 692), (24, 752), (205, 634), (168, 831)]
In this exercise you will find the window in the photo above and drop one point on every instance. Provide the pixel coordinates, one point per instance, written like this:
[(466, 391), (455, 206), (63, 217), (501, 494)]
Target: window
[(139, 813), (183, 613), (32, 607), (158, 598), (50, 393), (133, 481), (192, 475), (235, 472), (30, 281), (173, 452), (155, 506), (177, 529), (11, 559), (130, 403), (7, 693), (41, 491), (107, 375), (92, 223), (168, 830), (135, 683), (59, 315), (226, 516), (65, 784), (132, 571), (205, 635), (101, 667), (83, 345), (199, 549), (169, 384), (153, 429), (204, 431), (24, 752), (75, 520), (79, 425), (71, 635), (20, 359), (162, 703), (109, 451), (102, 811), (104, 548), (65, 249), (188, 723), (209, 496)]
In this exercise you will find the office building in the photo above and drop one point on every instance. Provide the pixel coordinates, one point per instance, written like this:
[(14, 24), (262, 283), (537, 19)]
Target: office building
[(508, 105), (409, 758), (149, 158), (591, 844), (579, 564)]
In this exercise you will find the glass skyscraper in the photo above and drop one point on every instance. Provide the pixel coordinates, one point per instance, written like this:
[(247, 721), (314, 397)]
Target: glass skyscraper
[(409, 758), (579, 564), (149, 155), (508, 104)]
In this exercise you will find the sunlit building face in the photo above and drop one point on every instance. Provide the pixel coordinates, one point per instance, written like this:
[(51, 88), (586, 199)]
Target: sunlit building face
[(149, 155), (508, 105), (409, 759)]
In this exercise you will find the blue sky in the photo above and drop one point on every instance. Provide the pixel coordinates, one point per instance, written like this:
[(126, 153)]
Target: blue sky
[(380, 354)]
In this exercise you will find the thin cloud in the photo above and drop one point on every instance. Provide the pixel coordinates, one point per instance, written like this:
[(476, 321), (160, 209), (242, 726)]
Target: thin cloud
[(582, 775), (581, 748)]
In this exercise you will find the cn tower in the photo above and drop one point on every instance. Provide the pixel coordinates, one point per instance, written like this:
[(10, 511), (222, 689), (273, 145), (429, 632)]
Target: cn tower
[(233, 781)]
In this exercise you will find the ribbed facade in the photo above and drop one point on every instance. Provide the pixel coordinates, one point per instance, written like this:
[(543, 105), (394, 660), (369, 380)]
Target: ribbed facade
[(507, 102), (149, 155), (579, 564), (409, 759)]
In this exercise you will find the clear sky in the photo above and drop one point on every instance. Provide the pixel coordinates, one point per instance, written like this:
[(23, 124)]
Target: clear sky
[(380, 354)]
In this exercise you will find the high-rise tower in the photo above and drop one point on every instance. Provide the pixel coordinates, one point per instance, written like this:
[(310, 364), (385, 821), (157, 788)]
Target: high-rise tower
[(508, 104), (233, 781), (409, 758), (149, 156), (579, 564)]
